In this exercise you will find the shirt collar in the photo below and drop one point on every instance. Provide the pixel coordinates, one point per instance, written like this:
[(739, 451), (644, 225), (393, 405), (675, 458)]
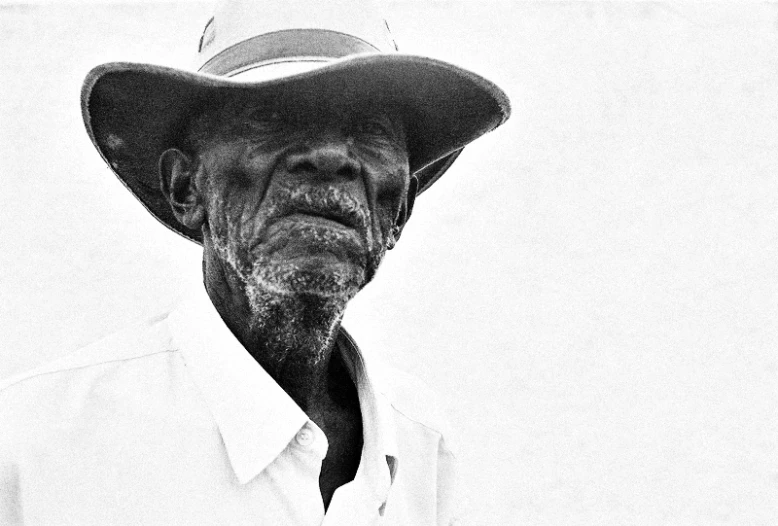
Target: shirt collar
[(380, 453), (256, 417)]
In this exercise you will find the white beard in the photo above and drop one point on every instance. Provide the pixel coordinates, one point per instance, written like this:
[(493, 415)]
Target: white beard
[(296, 311), (297, 307)]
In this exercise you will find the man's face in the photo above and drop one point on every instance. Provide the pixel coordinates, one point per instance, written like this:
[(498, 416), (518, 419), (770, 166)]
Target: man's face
[(301, 198)]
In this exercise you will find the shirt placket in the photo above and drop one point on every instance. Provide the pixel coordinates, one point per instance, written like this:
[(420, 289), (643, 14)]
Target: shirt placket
[(308, 447), (352, 505)]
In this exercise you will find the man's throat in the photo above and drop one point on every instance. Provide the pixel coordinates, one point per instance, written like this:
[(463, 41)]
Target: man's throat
[(292, 336), (287, 317)]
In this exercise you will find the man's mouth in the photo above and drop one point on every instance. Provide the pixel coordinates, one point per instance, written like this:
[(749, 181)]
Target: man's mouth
[(323, 215), (342, 216), (320, 219)]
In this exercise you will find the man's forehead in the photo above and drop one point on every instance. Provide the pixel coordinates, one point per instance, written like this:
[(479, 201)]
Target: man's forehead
[(302, 107)]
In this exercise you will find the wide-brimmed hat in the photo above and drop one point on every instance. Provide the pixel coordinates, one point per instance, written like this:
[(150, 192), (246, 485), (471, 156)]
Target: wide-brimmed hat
[(285, 49)]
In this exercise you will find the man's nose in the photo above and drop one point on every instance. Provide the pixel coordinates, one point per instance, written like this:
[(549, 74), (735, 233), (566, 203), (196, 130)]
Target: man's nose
[(330, 158)]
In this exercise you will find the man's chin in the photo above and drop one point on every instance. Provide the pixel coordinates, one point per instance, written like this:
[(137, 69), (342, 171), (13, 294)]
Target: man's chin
[(323, 277)]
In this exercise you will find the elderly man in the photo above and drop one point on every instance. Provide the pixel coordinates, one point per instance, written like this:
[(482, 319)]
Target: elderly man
[(294, 156)]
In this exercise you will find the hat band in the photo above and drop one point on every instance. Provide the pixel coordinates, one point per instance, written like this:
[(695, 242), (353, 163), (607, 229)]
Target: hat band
[(286, 44)]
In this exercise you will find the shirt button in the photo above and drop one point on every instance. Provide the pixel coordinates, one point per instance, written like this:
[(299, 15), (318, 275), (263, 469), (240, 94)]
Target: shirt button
[(304, 437)]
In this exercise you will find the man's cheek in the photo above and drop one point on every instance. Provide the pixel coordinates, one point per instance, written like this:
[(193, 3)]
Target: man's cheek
[(390, 186), (229, 211), (382, 222), (391, 202), (225, 222)]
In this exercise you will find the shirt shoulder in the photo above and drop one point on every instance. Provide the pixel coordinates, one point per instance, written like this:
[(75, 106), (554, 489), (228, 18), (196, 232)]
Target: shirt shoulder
[(133, 342), (416, 401), (122, 377)]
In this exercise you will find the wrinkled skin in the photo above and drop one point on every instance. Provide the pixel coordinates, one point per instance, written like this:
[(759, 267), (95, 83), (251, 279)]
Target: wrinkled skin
[(297, 203)]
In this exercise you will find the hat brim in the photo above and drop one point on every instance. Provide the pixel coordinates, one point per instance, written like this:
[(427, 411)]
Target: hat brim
[(134, 112)]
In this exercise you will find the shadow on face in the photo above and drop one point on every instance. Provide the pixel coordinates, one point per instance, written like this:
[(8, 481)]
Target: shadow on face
[(299, 196)]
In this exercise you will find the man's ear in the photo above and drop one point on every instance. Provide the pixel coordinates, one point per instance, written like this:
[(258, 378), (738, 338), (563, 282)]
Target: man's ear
[(405, 212), (177, 174)]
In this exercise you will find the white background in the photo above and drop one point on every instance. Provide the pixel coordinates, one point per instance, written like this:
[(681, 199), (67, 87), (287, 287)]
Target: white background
[(592, 288)]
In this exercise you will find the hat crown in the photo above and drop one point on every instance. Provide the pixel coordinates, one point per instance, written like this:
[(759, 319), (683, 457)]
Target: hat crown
[(266, 31), (331, 49)]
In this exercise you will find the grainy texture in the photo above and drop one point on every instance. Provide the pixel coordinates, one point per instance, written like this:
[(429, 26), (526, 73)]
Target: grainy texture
[(593, 288)]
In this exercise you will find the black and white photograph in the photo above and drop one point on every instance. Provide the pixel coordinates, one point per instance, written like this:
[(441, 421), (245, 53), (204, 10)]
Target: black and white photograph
[(388, 262)]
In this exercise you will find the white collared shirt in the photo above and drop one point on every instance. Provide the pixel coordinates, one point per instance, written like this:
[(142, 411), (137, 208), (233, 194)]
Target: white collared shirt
[(173, 422)]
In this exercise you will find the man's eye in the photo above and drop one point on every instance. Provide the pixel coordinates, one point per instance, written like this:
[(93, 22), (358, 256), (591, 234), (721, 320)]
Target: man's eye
[(374, 128), (266, 117)]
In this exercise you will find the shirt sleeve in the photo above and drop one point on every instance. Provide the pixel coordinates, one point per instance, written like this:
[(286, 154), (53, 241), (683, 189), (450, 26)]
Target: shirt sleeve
[(10, 494), (449, 493), (10, 479)]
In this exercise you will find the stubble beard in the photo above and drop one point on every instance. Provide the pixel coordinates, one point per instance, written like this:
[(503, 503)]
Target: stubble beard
[(296, 309)]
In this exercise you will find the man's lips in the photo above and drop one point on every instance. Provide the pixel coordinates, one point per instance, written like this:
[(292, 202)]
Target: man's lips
[(305, 234), (326, 219), (346, 216)]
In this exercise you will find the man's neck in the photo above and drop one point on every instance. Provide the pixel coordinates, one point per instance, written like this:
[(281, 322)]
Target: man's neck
[(292, 336)]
